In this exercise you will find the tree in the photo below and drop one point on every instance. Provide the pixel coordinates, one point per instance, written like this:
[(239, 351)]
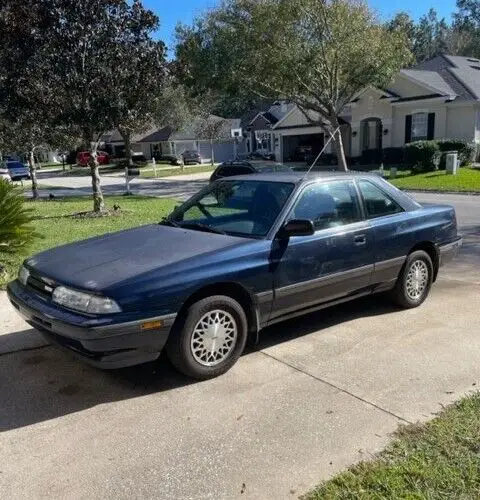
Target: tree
[(431, 37), (87, 50), (141, 74), (25, 110), (403, 23), (466, 28), (318, 54)]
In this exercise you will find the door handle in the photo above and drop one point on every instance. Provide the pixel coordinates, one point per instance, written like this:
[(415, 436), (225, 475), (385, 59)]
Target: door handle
[(359, 239)]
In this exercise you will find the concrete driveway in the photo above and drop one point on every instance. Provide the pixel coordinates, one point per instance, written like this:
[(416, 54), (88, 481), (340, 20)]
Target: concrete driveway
[(317, 394)]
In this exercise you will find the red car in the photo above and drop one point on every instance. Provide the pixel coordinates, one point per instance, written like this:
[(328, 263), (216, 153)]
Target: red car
[(84, 156)]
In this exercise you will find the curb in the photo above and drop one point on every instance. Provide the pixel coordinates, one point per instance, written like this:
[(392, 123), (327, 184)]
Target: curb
[(438, 191)]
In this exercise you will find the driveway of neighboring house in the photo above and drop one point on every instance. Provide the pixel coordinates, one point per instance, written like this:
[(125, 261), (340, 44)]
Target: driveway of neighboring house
[(316, 395)]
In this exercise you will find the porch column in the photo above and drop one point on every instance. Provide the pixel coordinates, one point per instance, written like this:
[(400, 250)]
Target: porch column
[(387, 133), (356, 151)]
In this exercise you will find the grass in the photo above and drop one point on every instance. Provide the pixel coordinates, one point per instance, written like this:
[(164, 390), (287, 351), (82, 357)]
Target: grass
[(467, 179), (436, 460), (57, 230), (177, 171)]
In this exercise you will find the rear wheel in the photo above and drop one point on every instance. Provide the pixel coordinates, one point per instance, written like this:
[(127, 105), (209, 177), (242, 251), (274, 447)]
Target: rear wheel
[(415, 280), (210, 339)]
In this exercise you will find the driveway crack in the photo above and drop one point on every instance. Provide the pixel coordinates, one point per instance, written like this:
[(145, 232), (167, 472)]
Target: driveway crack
[(338, 388)]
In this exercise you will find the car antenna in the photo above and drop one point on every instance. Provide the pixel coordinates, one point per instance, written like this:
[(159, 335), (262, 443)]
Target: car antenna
[(321, 152)]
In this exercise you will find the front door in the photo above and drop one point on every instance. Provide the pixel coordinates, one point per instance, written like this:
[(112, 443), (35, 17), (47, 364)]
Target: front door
[(334, 262)]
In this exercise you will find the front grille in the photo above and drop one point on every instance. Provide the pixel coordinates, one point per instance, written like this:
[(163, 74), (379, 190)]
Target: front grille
[(40, 285)]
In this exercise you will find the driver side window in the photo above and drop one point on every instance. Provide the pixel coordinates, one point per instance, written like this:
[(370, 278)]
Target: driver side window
[(328, 204)]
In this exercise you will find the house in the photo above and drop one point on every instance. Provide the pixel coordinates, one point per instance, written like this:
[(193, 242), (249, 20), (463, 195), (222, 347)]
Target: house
[(158, 142), (438, 99)]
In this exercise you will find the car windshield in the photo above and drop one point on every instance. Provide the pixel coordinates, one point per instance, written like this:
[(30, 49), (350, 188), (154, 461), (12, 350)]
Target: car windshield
[(241, 208)]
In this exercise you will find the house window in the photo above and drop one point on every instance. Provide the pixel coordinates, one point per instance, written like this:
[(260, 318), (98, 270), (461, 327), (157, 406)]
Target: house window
[(419, 126)]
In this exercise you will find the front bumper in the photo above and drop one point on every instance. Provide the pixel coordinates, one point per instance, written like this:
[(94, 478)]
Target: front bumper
[(449, 251), (108, 346)]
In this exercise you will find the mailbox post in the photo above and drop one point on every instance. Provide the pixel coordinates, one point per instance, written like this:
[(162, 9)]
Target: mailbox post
[(130, 172)]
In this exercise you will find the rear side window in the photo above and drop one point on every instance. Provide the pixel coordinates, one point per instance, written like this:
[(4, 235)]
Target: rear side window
[(377, 202)]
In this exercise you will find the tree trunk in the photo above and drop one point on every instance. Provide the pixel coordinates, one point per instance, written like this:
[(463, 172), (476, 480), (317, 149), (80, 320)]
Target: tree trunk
[(212, 154), (341, 160), (98, 202), (33, 174), (126, 135)]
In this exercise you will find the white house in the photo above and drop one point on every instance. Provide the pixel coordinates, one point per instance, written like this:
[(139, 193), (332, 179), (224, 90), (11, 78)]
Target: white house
[(438, 99)]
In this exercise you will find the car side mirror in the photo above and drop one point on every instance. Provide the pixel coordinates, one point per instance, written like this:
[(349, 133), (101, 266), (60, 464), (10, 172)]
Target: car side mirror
[(297, 227)]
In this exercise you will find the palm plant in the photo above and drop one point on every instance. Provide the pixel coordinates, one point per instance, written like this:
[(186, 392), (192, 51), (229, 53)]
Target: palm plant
[(16, 231)]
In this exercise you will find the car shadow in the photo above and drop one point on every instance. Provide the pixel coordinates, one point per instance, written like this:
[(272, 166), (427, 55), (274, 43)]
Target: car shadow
[(300, 326), (45, 383)]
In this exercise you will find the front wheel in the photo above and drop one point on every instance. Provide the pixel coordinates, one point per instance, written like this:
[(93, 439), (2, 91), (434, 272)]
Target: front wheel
[(415, 280), (211, 338)]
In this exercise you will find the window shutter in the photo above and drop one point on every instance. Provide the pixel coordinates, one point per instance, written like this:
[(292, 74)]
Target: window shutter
[(408, 129), (431, 126)]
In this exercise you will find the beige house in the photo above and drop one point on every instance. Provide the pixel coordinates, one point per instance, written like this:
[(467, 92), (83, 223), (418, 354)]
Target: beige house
[(438, 99)]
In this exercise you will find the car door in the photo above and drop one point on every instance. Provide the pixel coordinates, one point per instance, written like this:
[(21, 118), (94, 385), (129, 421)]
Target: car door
[(334, 262), (392, 231)]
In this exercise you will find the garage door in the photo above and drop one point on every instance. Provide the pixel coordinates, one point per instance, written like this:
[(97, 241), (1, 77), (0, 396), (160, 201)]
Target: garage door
[(223, 151)]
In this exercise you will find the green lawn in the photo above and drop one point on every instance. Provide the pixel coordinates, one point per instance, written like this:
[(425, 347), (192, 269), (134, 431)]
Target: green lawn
[(57, 230), (437, 460), (467, 179), (176, 171)]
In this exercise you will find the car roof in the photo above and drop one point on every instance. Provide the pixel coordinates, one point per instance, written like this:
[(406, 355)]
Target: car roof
[(299, 177)]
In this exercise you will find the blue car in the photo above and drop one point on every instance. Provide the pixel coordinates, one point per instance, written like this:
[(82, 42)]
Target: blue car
[(242, 254), (17, 170)]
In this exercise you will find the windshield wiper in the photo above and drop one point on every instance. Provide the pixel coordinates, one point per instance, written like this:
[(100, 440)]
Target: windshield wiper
[(202, 227), (169, 222)]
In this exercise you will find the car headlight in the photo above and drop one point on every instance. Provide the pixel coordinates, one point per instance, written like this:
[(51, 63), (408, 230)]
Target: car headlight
[(85, 302), (23, 274)]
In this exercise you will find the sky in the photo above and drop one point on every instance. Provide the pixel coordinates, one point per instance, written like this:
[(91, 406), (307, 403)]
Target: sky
[(173, 11)]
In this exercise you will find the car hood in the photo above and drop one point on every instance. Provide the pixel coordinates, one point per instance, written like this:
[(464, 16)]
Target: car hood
[(98, 263)]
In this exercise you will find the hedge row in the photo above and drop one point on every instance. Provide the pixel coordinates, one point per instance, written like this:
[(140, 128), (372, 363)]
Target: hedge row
[(421, 156)]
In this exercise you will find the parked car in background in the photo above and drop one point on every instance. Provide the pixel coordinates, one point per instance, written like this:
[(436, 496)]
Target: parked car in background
[(17, 170), (244, 253), (4, 174), (243, 167), (84, 156), (191, 156), (261, 156)]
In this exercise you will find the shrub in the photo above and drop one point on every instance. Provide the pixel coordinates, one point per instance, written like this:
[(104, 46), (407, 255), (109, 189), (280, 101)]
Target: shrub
[(16, 232), (393, 156), (424, 156), (371, 156), (467, 151)]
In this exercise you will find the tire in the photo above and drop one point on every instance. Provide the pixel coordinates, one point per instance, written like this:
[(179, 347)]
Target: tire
[(189, 344), (404, 294)]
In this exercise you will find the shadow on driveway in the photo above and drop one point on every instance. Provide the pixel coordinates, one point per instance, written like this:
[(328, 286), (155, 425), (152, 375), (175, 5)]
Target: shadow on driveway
[(46, 383)]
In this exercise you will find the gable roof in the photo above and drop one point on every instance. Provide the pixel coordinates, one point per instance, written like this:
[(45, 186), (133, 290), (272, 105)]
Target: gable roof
[(431, 79), (461, 74)]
